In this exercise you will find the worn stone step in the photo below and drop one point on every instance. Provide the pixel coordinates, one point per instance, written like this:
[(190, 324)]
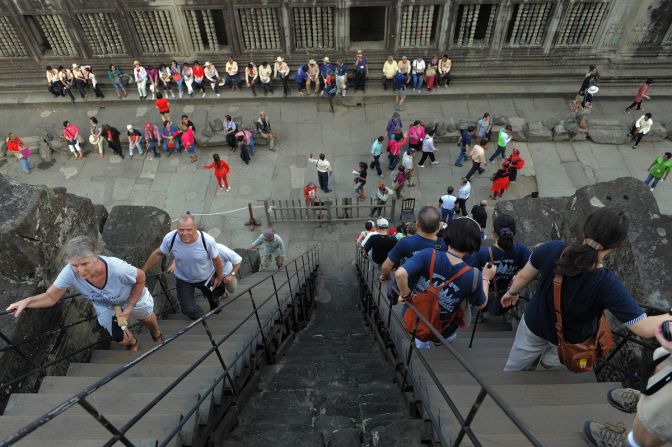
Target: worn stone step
[(83, 442), (480, 364), (442, 353), (571, 439), (158, 371), (168, 357), (517, 377), (195, 346), (240, 336), (466, 333), (77, 427), (70, 384), (483, 341)]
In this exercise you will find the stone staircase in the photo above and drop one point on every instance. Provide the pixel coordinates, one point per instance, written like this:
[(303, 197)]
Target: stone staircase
[(121, 398)]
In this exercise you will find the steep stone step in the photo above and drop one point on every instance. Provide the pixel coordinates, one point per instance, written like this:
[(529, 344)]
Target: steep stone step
[(166, 357), (158, 371), (55, 384), (518, 377)]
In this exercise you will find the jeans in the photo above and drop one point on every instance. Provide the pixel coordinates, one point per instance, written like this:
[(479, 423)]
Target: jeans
[(461, 156), (638, 137), (474, 167), (268, 87), (359, 186), (152, 144), (232, 79), (424, 157), (375, 163), (501, 150), (25, 164), (323, 180), (387, 81), (55, 89), (185, 295), (285, 84), (394, 159), (417, 81), (447, 215), (651, 181)]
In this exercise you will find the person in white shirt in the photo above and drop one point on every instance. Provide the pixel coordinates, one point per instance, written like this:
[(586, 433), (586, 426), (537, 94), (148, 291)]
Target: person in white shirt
[(211, 75), (447, 203), (407, 163), (231, 261), (463, 193), (274, 247), (188, 77), (428, 149), (642, 127), (198, 265), (232, 76), (140, 76), (417, 70), (265, 72), (323, 170), (53, 82), (106, 282), (281, 70)]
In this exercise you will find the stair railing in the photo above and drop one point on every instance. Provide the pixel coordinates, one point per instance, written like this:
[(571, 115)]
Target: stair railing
[(369, 274), (309, 264)]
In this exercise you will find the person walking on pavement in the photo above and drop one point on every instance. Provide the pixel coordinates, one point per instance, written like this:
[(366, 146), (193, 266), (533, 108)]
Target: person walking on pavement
[(463, 193), (394, 147), (360, 180), (464, 144), (484, 127), (415, 135), (96, 136), (376, 151), (640, 96), (323, 170), (111, 135), (500, 182), (71, 134), (477, 156), (407, 163), (274, 247), (641, 127), (163, 106), (152, 139), (503, 139), (399, 182), (428, 149), (394, 126), (480, 215), (197, 265), (447, 205), (659, 170), (516, 163), (401, 80), (221, 169), (381, 195)]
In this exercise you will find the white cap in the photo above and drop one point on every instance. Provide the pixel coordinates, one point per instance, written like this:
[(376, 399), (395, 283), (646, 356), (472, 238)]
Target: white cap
[(207, 63), (279, 59), (312, 62), (382, 223), (129, 127), (326, 59), (594, 89)]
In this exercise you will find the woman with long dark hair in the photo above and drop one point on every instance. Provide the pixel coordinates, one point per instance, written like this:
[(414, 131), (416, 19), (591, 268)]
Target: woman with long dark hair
[(508, 256), (588, 288), (221, 168)]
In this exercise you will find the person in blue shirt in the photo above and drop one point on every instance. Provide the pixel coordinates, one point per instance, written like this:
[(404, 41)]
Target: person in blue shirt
[(361, 71), (400, 82), (300, 78), (427, 226), (463, 236), (464, 144), (376, 150), (508, 256), (341, 77), (326, 67), (588, 289)]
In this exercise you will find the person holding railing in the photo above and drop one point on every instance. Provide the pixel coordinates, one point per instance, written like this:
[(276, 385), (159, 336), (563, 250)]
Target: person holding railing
[(105, 281), (198, 265), (456, 283), (274, 247), (587, 288)]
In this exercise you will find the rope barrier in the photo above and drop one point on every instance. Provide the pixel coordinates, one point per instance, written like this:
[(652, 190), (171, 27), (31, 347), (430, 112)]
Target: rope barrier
[(221, 212)]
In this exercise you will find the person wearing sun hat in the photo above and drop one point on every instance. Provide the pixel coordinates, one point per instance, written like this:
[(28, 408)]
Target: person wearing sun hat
[(140, 76), (232, 76), (281, 70), (381, 195), (212, 76), (313, 76)]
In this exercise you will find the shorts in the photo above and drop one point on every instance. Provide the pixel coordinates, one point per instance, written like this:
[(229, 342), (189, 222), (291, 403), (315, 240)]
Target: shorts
[(74, 146), (143, 309), (401, 93), (655, 411)]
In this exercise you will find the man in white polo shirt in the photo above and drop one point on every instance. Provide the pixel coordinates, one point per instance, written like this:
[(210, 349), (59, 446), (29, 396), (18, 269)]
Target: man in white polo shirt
[(447, 203), (197, 265), (231, 261)]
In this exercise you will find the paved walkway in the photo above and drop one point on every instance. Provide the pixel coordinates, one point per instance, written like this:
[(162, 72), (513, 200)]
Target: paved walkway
[(305, 125)]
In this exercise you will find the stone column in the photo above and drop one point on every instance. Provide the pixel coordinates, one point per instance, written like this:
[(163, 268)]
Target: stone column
[(443, 29), (554, 25), (499, 34)]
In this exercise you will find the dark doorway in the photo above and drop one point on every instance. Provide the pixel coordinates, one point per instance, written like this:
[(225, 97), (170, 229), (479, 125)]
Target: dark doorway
[(39, 35), (367, 24)]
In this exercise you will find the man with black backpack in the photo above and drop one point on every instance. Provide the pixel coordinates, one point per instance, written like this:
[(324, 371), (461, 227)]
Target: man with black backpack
[(197, 265)]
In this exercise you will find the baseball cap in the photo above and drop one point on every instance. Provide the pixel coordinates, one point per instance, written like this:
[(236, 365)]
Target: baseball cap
[(381, 184), (382, 223), (129, 127)]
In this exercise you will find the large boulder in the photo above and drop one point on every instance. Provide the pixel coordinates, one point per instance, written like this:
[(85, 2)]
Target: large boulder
[(608, 132), (560, 132), (657, 133), (537, 132), (518, 128), (538, 219)]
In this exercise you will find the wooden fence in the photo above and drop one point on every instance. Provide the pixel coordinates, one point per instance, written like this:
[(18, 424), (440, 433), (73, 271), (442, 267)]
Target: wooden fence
[(343, 209)]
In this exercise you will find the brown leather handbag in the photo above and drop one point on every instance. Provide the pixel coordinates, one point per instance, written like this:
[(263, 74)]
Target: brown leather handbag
[(580, 357)]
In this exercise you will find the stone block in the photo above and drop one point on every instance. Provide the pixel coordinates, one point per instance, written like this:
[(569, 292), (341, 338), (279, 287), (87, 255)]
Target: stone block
[(448, 137), (441, 129), (465, 124), (216, 125), (537, 132), (657, 133), (498, 120), (538, 219), (251, 261), (100, 216), (451, 125), (608, 132), (80, 218), (560, 132), (519, 128), (216, 140)]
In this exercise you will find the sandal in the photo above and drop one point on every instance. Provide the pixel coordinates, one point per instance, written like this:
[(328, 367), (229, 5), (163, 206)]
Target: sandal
[(159, 338), (133, 347)]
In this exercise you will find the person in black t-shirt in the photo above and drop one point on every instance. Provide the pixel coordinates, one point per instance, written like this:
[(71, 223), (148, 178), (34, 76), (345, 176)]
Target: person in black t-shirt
[(380, 243), (480, 215)]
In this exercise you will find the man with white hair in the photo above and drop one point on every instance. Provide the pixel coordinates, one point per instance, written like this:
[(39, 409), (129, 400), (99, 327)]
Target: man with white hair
[(198, 265), (106, 282), (134, 140), (274, 247)]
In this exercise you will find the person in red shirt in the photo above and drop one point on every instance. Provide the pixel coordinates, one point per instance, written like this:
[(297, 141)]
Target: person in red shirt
[(163, 106), (16, 147), (515, 162), (640, 96), (71, 134), (394, 147), (221, 169), (309, 195), (199, 76), (500, 181)]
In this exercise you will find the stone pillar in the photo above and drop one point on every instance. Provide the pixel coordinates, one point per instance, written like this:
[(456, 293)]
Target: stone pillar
[(502, 21), (443, 29), (553, 26)]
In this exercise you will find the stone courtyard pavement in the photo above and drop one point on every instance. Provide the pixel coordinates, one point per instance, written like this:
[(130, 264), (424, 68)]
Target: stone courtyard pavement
[(305, 125)]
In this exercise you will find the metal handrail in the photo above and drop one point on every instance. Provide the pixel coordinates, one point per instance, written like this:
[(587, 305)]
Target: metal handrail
[(486, 389), (119, 434)]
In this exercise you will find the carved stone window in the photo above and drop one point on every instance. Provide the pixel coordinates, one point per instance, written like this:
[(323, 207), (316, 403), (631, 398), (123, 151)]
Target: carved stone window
[(418, 25), (207, 29), (474, 25), (155, 31), (581, 22), (10, 44), (102, 32), (51, 35), (528, 24), (313, 27), (260, 28)]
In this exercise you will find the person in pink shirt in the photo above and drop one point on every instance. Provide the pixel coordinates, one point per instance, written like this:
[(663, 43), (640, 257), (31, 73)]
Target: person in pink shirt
[(415, 135), (189, 143), (640, 96), (246, 144), (394, 146), (71, 134)]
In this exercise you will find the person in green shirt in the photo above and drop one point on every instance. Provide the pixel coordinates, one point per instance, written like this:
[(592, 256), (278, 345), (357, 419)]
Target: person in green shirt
[(659, 170)]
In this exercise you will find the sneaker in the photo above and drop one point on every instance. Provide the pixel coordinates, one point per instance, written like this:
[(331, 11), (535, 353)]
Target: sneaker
[(624, 399), (228, 189), (218, 95), (421, 166), (132, 156), (634, 147), (221, 188), (203, 96), (651, 189), (605, 435), (435, 162)]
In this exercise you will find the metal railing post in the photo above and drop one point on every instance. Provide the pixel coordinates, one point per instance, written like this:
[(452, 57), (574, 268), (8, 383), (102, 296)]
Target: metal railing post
[(102, 420), (410, 351), (470, 417), (261, 329), (219, 356)]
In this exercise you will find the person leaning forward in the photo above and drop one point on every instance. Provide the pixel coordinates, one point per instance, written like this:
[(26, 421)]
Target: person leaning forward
[(198, 265)]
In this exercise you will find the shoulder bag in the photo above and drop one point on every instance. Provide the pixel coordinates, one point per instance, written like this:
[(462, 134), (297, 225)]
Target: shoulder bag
[(580, 357)]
